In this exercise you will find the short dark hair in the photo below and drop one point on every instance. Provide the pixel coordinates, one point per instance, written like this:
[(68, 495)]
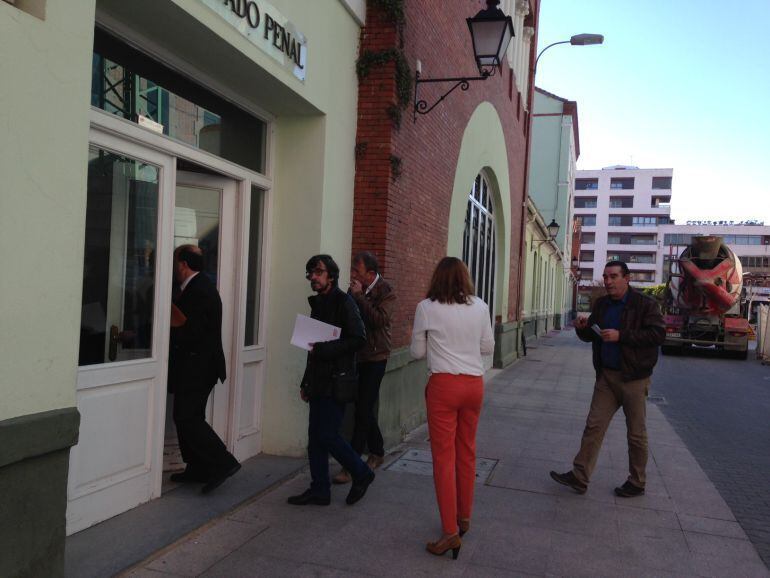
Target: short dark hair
[(451, 282), (368, 259), (193, 259), (332, 267), (621, 264)]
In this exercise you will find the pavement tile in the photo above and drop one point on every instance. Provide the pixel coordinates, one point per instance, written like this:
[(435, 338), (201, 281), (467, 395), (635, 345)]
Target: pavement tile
[(654, 548), (716, 566), (711, 526), (203, 550), (521, 548), (579, 555), (628, 515), (590, 518), (147, 573), (735, 549), (524, 524), (256, 565)]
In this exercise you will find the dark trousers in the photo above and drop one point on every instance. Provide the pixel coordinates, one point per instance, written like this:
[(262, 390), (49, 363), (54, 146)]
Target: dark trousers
[(202, 450), (366, 430), (323, 439)]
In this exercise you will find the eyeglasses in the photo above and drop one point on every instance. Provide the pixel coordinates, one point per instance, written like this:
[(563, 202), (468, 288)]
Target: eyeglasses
[(317, 272)]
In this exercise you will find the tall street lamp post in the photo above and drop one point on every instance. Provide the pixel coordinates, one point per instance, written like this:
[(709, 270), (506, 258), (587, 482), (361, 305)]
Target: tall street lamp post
[(576, 40)]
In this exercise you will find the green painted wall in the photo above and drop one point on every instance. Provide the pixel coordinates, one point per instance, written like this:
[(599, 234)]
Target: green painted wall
[(45, 67), (483, 148)]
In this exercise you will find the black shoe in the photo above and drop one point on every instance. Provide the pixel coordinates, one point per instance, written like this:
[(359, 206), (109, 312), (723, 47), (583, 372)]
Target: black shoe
[(218, 479), (358, 489), (308, 498), (629, 490), (569, 479), (189, 477)]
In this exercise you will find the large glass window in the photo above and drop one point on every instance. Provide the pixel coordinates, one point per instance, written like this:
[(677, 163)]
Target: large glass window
[(129, 84), (625, 183), (255, 266), (621, 202), (586, 220), (586, 184), (585, 202), (119, 259), (479, 240)]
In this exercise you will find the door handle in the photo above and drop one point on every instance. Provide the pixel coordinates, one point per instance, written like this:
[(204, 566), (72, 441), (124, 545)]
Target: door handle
[(114, 339)]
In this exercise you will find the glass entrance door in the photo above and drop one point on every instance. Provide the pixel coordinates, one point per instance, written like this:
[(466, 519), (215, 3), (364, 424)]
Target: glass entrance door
[(124, 331), (204, 216)]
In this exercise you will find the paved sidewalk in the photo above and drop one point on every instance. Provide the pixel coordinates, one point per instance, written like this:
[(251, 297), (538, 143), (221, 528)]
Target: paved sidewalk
[(524, 524)]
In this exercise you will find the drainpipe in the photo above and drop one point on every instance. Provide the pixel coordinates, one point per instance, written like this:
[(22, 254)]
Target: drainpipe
[(527, 147)]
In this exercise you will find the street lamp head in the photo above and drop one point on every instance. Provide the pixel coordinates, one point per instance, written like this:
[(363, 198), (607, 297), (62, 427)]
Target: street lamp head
[(491, 32), (586, 39), (553, 229)]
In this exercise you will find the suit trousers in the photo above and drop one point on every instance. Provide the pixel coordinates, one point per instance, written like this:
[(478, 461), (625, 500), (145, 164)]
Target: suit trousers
[(366, 430), (324, 438), (202, 450), (454, 405), (610, 394)]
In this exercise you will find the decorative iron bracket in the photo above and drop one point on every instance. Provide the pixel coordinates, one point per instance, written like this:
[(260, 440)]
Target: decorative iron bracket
[(421, 106)]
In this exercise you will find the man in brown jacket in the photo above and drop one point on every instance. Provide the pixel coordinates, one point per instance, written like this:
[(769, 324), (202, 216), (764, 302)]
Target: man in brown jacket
[(625, 329), (375, 300)]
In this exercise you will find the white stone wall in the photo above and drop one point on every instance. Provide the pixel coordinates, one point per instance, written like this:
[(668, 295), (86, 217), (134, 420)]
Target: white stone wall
[(643, 195)]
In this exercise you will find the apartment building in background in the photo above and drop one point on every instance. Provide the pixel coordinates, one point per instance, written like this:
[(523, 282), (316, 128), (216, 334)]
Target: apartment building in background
[(620, 209)]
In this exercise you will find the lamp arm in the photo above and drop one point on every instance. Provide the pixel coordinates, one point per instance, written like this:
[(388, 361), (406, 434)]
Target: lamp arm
[(546, 48), (421, 106)]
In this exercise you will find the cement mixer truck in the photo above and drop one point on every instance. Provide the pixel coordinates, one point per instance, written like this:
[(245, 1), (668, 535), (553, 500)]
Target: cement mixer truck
[(702, 300)]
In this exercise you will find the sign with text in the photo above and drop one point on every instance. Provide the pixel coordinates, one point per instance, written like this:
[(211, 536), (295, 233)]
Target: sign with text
[(267, 29)]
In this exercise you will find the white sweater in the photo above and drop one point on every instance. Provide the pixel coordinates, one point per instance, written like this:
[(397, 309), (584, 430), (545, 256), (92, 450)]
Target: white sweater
[(454, 337)]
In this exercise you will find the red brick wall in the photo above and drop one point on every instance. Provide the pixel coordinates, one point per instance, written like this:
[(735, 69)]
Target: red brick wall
[(404, 220)]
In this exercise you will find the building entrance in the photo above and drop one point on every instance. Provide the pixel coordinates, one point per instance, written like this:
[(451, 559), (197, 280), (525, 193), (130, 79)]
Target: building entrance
[(139, 208)]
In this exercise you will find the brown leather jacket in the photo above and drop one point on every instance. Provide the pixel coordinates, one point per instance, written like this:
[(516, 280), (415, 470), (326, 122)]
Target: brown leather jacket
[(377, 311), (641, 332)]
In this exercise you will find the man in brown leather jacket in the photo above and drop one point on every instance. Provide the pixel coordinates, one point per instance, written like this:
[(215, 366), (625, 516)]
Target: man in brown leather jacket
[(625, 330), (376, 300)]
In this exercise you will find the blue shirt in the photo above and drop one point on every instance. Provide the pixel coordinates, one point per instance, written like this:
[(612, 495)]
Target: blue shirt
[(611, 320)]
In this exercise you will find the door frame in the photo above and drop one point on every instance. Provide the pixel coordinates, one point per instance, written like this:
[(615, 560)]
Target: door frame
[(127, 138)]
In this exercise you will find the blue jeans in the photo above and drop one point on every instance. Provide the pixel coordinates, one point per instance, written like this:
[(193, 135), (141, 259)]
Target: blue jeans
[(323, 439)]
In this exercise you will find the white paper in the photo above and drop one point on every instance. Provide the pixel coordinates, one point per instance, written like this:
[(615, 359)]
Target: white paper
[(308, 330)]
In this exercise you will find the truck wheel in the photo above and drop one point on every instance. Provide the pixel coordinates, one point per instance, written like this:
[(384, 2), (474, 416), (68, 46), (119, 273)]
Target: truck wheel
[(670, 350)]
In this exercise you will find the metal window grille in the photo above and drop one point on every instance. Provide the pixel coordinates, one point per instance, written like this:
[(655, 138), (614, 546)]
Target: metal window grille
[(479, 241)]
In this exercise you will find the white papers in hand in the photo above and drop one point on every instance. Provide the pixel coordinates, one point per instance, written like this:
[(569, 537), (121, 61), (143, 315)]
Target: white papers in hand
[(308, 330)]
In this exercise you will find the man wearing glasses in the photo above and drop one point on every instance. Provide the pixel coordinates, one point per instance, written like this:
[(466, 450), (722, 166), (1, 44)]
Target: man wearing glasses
[(327, 359)]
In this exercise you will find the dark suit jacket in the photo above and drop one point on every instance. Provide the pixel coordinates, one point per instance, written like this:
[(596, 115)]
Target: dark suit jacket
[(196, 357), (329, 357)]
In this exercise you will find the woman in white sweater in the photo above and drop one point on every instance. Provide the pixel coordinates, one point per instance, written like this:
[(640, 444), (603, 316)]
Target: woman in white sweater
[(453, 329)]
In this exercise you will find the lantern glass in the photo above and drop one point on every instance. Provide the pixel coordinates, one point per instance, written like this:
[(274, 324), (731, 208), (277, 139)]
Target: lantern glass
[(491, 32)]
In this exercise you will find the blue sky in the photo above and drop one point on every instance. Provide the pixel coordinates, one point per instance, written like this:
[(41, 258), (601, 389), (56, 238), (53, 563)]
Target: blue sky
[(680, 83)]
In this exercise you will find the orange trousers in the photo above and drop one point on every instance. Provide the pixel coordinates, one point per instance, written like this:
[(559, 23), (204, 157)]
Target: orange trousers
[(454, 405)]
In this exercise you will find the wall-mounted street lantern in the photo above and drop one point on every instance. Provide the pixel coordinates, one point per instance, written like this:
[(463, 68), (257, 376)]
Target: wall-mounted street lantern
[(491, 32), (553, 230)]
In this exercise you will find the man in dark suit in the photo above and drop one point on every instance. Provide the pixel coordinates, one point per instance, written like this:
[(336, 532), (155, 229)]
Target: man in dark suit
[(196, 362)]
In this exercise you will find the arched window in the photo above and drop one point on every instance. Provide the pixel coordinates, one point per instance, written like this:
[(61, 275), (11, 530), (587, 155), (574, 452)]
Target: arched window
[(479, 250)]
